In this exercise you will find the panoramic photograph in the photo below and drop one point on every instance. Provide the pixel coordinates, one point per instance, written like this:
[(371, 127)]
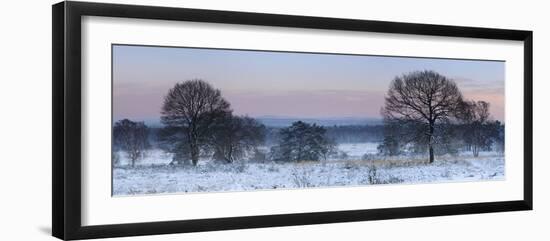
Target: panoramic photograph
[(195, 120)]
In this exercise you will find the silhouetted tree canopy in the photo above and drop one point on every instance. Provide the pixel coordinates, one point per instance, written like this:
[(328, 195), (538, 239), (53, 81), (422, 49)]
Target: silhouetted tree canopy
[(422, 99), (193, 107), (132, 138)]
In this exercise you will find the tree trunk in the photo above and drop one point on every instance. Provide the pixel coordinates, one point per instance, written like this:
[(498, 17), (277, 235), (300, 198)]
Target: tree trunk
[(431, 153), (230, 155), (133, 157), (193, 143), (430, 142), (194, 154)]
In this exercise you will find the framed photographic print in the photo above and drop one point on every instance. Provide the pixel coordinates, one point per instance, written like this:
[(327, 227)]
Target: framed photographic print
[(170, 120)]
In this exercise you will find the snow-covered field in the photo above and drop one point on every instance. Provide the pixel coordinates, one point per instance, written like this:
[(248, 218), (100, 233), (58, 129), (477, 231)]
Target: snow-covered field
[(153, 175), (357, 150)]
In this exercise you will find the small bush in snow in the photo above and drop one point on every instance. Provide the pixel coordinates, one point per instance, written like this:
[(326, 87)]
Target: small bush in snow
[(343, 155), (351, 166), (240, 167), (273, 168), (369, 157), (302, 179)]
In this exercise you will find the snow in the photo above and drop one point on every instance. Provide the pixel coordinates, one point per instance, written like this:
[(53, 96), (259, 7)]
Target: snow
[(152, 157), (152, 175), (357, 150)]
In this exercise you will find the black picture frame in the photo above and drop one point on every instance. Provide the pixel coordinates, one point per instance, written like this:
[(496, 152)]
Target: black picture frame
[(66, 158)]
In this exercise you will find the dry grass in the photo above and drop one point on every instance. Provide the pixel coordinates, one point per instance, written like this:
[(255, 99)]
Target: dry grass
[(407, 161)]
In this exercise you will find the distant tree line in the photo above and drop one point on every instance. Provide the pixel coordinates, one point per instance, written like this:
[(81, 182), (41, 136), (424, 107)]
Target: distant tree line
[(338, 133), (355, 133)]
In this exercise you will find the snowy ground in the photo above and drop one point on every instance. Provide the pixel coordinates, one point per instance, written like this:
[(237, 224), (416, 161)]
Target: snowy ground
[(154, 176), (357, 150)]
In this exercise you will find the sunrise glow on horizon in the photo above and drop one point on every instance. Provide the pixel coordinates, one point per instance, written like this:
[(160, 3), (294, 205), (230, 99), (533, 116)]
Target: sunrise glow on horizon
[(263, 83)]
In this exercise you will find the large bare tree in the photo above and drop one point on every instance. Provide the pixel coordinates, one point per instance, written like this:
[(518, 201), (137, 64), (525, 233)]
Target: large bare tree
[(194, 106), (423, 97), (132, 138)]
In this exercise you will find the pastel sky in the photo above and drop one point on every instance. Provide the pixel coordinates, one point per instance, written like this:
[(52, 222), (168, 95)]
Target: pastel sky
[(262, 83)]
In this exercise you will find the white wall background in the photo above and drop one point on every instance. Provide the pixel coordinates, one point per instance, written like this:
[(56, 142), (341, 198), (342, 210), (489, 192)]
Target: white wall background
[(25, 122)]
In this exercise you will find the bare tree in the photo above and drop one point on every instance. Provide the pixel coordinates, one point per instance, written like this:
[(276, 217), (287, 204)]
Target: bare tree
[(194, 106), (132, 138), (234, 136), (477, 133), (424, 97)]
